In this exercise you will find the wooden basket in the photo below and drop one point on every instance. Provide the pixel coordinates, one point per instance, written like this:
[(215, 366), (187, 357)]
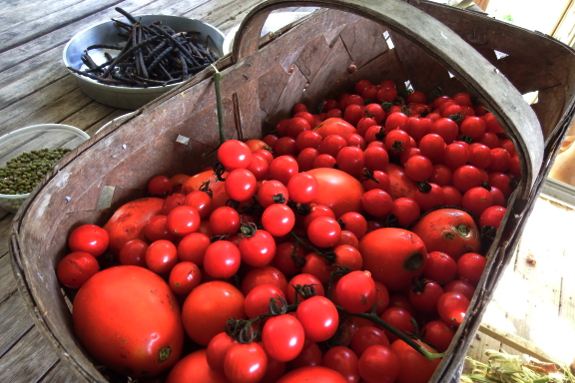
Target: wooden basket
[(433, 45)]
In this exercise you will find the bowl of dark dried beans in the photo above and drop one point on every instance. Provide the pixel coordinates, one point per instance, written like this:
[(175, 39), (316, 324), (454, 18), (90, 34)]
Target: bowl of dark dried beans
[(128, 61)]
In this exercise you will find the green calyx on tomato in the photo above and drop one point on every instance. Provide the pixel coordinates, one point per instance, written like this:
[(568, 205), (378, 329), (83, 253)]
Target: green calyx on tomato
[(414, 262), (164, 354)]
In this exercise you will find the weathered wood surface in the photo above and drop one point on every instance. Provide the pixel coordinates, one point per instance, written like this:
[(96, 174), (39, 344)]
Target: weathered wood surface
[(36, 88)]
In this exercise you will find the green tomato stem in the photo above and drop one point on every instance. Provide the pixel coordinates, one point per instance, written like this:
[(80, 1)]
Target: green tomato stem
[(374, 318)]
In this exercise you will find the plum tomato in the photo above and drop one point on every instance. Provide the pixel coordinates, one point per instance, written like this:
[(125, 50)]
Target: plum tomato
[(349, 191), (448, 230), (129, 320), (393, 255)]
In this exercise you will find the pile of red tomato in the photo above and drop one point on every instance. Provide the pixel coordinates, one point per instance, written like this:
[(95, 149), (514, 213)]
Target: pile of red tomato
[(345, 247)]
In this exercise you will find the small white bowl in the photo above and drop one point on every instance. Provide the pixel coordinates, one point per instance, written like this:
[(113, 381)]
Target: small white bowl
[(30, 138)]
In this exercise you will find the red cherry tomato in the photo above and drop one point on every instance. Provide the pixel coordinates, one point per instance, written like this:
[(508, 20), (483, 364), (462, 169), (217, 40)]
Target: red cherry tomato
[(222, 259), (378, 364), (184, 277), (319, 318), (356, 291), (278, 219), (283, 337), (452, 307), (89, 238), (245, 363), (161, 256), (76, 268), (183, 220), (234, 154)]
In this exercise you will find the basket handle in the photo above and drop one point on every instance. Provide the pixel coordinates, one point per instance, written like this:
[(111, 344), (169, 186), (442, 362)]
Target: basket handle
[(463, 61)]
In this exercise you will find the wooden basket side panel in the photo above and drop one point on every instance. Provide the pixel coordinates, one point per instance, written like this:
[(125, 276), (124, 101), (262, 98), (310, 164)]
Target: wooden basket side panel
[(425, 74), (534, 60)]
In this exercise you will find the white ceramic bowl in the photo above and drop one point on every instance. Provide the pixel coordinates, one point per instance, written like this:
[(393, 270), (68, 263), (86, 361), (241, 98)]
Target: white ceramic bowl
[(30, 138)]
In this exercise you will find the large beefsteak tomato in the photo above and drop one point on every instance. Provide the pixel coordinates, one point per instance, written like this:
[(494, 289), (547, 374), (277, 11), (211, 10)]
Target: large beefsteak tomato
[(128, 319)]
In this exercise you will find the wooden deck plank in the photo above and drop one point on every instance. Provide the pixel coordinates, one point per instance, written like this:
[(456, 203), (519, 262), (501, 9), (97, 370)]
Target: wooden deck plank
[(7, 281), (25, 30), (38, 357), (59, 373), (16, 321)]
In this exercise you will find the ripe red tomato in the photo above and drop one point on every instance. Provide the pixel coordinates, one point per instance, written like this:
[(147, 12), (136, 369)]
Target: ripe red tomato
[(241, 184), (263, 275), (399, 318), (393, 255), (258, 300), (160, 186), (245, 363), (195, 364), (217, 349), (470, 267), (378, 364), (365, 337), (349, 191), (192, 248), (451, 231), (318, 317), (216, 187), (400, 184), (133, 253), (224, 220), (440, 267), (129, 220), (356, 292), (301, 280), (424, 294), (324, 231), (438, 335), (283, 337), (452, 307), (278, 219), (90, 239), (76, 268), (234, 154), (302, 187), (129, 320), (183, 220), (208, 307), (342, 360), (161, 256), (413, 367), (316, 374), (222, 259), (184, 277)]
